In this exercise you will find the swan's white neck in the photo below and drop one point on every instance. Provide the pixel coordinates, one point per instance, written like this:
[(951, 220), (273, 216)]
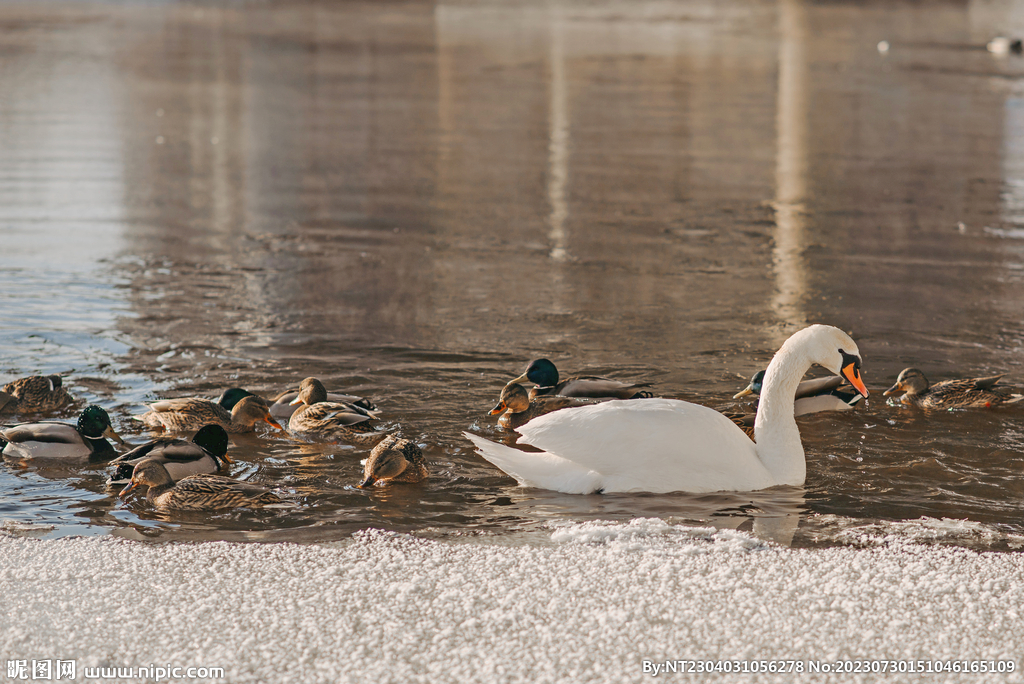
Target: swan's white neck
[(775, 432)]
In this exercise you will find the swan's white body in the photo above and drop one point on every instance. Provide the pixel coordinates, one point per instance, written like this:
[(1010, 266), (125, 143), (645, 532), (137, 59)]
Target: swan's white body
[(665, 445)]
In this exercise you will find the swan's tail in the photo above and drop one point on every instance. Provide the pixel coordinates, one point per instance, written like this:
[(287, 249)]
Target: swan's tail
[(539, 469)]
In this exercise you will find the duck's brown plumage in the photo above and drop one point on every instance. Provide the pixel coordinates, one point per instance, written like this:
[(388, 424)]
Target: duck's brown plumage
[(196, 492), (35, 394), (517, 408), (968, 393), (331, 420), (394, 460), (183, 415)]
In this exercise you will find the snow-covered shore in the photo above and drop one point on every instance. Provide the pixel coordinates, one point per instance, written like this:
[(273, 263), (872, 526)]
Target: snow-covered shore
[(589, 606)]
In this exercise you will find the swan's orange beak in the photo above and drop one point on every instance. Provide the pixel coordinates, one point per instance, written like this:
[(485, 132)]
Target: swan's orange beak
[(852, 374)]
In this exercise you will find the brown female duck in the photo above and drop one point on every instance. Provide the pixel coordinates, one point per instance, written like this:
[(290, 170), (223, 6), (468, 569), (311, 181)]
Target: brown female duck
[(196, 492), (315, 416), (517, 408), (183, 415), (35, 394), (913, 387), (394, 460)]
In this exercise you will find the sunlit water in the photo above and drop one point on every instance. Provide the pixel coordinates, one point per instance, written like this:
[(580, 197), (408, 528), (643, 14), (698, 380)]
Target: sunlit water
[(410, 202)]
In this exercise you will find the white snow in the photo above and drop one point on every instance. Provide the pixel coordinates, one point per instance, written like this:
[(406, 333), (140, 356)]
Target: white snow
[(589, 605)]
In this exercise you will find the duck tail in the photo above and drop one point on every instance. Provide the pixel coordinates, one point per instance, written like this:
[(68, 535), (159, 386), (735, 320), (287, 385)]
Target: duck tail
[(1014, 399), (538, 469)]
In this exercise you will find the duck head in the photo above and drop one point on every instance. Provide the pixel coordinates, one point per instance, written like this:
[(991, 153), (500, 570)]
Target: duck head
[(514, 399), (540, 372), (149, 472), (383, 464), (909, 381), (214, 440), (94, 423), (311, 391), (251, 410), (754, 387), (232, 396)]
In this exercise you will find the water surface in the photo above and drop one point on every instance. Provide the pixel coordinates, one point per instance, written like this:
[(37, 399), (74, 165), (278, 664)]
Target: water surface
[(411, 200)]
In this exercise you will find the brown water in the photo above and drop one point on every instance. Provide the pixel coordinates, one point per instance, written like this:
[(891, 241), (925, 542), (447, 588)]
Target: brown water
[(411, 200)]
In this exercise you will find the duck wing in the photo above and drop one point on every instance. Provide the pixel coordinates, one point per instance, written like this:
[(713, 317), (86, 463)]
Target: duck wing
[(194, 406), (810, 388), (49, 433), (283, 408), (216, 491), (344, 415), (167, 450), (987, 383), (595, 388)]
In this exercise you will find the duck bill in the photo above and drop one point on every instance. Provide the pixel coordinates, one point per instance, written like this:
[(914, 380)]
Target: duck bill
[(367, 483), (895, 389), (226, 458), (109, 432), (852, 375), (127, 490), (295, 401), (273, 422), (743, 392), (521, 378), (497, 409)]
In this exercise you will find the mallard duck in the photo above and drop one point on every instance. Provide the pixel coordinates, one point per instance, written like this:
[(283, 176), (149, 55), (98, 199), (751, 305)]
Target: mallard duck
[(35, 394), (394, 460), (820, 394), (544, 375), (183, 415), (914, 388), (666, 445), (316, 416), (207, 451), (196, 492), (285, 404), (518, 409), (84, 441)]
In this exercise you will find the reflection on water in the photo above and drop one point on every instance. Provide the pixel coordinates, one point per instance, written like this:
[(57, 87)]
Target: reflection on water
[(412, 202)]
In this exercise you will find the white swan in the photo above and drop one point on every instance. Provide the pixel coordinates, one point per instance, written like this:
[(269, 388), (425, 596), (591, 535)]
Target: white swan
[(665, 445)]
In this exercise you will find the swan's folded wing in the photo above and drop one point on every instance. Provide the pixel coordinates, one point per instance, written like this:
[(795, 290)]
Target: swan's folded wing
[(680, 444), (539, 469)]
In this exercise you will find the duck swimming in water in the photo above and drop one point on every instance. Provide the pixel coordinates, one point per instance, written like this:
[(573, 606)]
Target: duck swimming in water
[(35, 394), (394, 460), (516, 407), (912, 387), (196, 492), (544, 375), (187, 414), (205, 454), (812, 396), (666, 445), (84, 441), (317, 417)]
